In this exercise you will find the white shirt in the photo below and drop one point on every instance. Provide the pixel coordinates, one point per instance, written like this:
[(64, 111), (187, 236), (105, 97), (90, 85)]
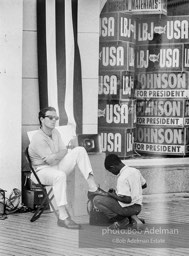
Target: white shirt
[(42, 146), (129, 183)]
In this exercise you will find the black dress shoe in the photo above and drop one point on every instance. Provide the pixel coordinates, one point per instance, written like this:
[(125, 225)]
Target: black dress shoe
[(98, 192), (68, 223)]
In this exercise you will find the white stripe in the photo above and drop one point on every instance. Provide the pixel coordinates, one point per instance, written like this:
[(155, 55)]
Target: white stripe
[(102, 3), (69, 63), (51, 54)]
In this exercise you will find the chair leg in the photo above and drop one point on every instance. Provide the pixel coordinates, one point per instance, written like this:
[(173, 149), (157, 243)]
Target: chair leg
[(51, 204), (37, 214), (41, 208)]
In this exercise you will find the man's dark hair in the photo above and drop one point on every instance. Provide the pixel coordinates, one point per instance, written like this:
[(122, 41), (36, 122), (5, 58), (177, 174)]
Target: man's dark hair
[(43, 112), (111, 160)]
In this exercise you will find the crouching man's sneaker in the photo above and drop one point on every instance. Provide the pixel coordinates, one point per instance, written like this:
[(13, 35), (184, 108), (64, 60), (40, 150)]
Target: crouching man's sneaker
[(123, 224), (137, 223), (98, 192)]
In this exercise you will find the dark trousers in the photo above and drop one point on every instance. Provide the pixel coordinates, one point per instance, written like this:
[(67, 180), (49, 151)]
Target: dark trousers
[(112, 209)]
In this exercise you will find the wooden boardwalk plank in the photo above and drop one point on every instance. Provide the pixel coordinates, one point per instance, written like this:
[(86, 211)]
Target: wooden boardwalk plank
[(20, 237)]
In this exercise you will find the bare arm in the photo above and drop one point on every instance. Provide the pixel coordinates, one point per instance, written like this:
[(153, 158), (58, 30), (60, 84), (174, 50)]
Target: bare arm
[(123, 199)]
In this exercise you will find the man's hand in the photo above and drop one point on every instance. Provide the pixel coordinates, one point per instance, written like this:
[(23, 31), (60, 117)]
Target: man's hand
[(123, 199), (112, 193), (72, 143), (55, 158)]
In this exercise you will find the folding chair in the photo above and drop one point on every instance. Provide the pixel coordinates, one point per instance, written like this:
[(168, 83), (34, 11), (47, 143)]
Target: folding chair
[(47, 197)]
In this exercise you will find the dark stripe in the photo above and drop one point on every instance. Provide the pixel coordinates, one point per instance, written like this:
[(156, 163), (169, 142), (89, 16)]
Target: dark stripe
[(42, 54), (77, 90), (61, 59)]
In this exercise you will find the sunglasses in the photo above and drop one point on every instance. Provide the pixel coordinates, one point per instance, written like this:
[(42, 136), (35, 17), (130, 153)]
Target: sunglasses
[(52, 117)]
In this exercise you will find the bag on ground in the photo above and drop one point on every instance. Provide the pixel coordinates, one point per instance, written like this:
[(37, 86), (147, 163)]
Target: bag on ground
[(95, 216)]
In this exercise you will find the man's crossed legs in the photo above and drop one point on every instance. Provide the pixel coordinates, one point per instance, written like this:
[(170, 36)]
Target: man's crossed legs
[(56, 176)]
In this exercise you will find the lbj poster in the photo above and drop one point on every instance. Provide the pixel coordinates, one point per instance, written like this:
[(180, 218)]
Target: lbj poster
[(167, 30), (117, 56), (164, 140), (116, 85), (117, 141), (162, 112), (117, 27), (116, 113), (162, 85), (159, 58)]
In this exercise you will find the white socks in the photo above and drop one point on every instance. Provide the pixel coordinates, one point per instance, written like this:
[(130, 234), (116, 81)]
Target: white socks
[(91, 183), (62, 212)]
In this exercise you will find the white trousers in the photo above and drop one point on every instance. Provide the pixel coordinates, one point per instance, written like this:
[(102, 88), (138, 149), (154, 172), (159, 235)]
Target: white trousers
[(56, 175)]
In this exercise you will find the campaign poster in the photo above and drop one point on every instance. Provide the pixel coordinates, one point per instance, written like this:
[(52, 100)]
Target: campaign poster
[(118, 141), (117, 6), (109, 85), (116, 56), (117, 27), (186, 57), (187, 149), (162, 85), (161, 112), (127, 28), (116, 85), (116, 113), (167, 30), (159, 58), (187, 141), (149, 7), (160, 140), (127, 85), (129, 143), (186, 113), (108, 27)]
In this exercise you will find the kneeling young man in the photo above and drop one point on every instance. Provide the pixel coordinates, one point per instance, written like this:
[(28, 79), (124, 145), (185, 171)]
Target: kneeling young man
[(123, 205)]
